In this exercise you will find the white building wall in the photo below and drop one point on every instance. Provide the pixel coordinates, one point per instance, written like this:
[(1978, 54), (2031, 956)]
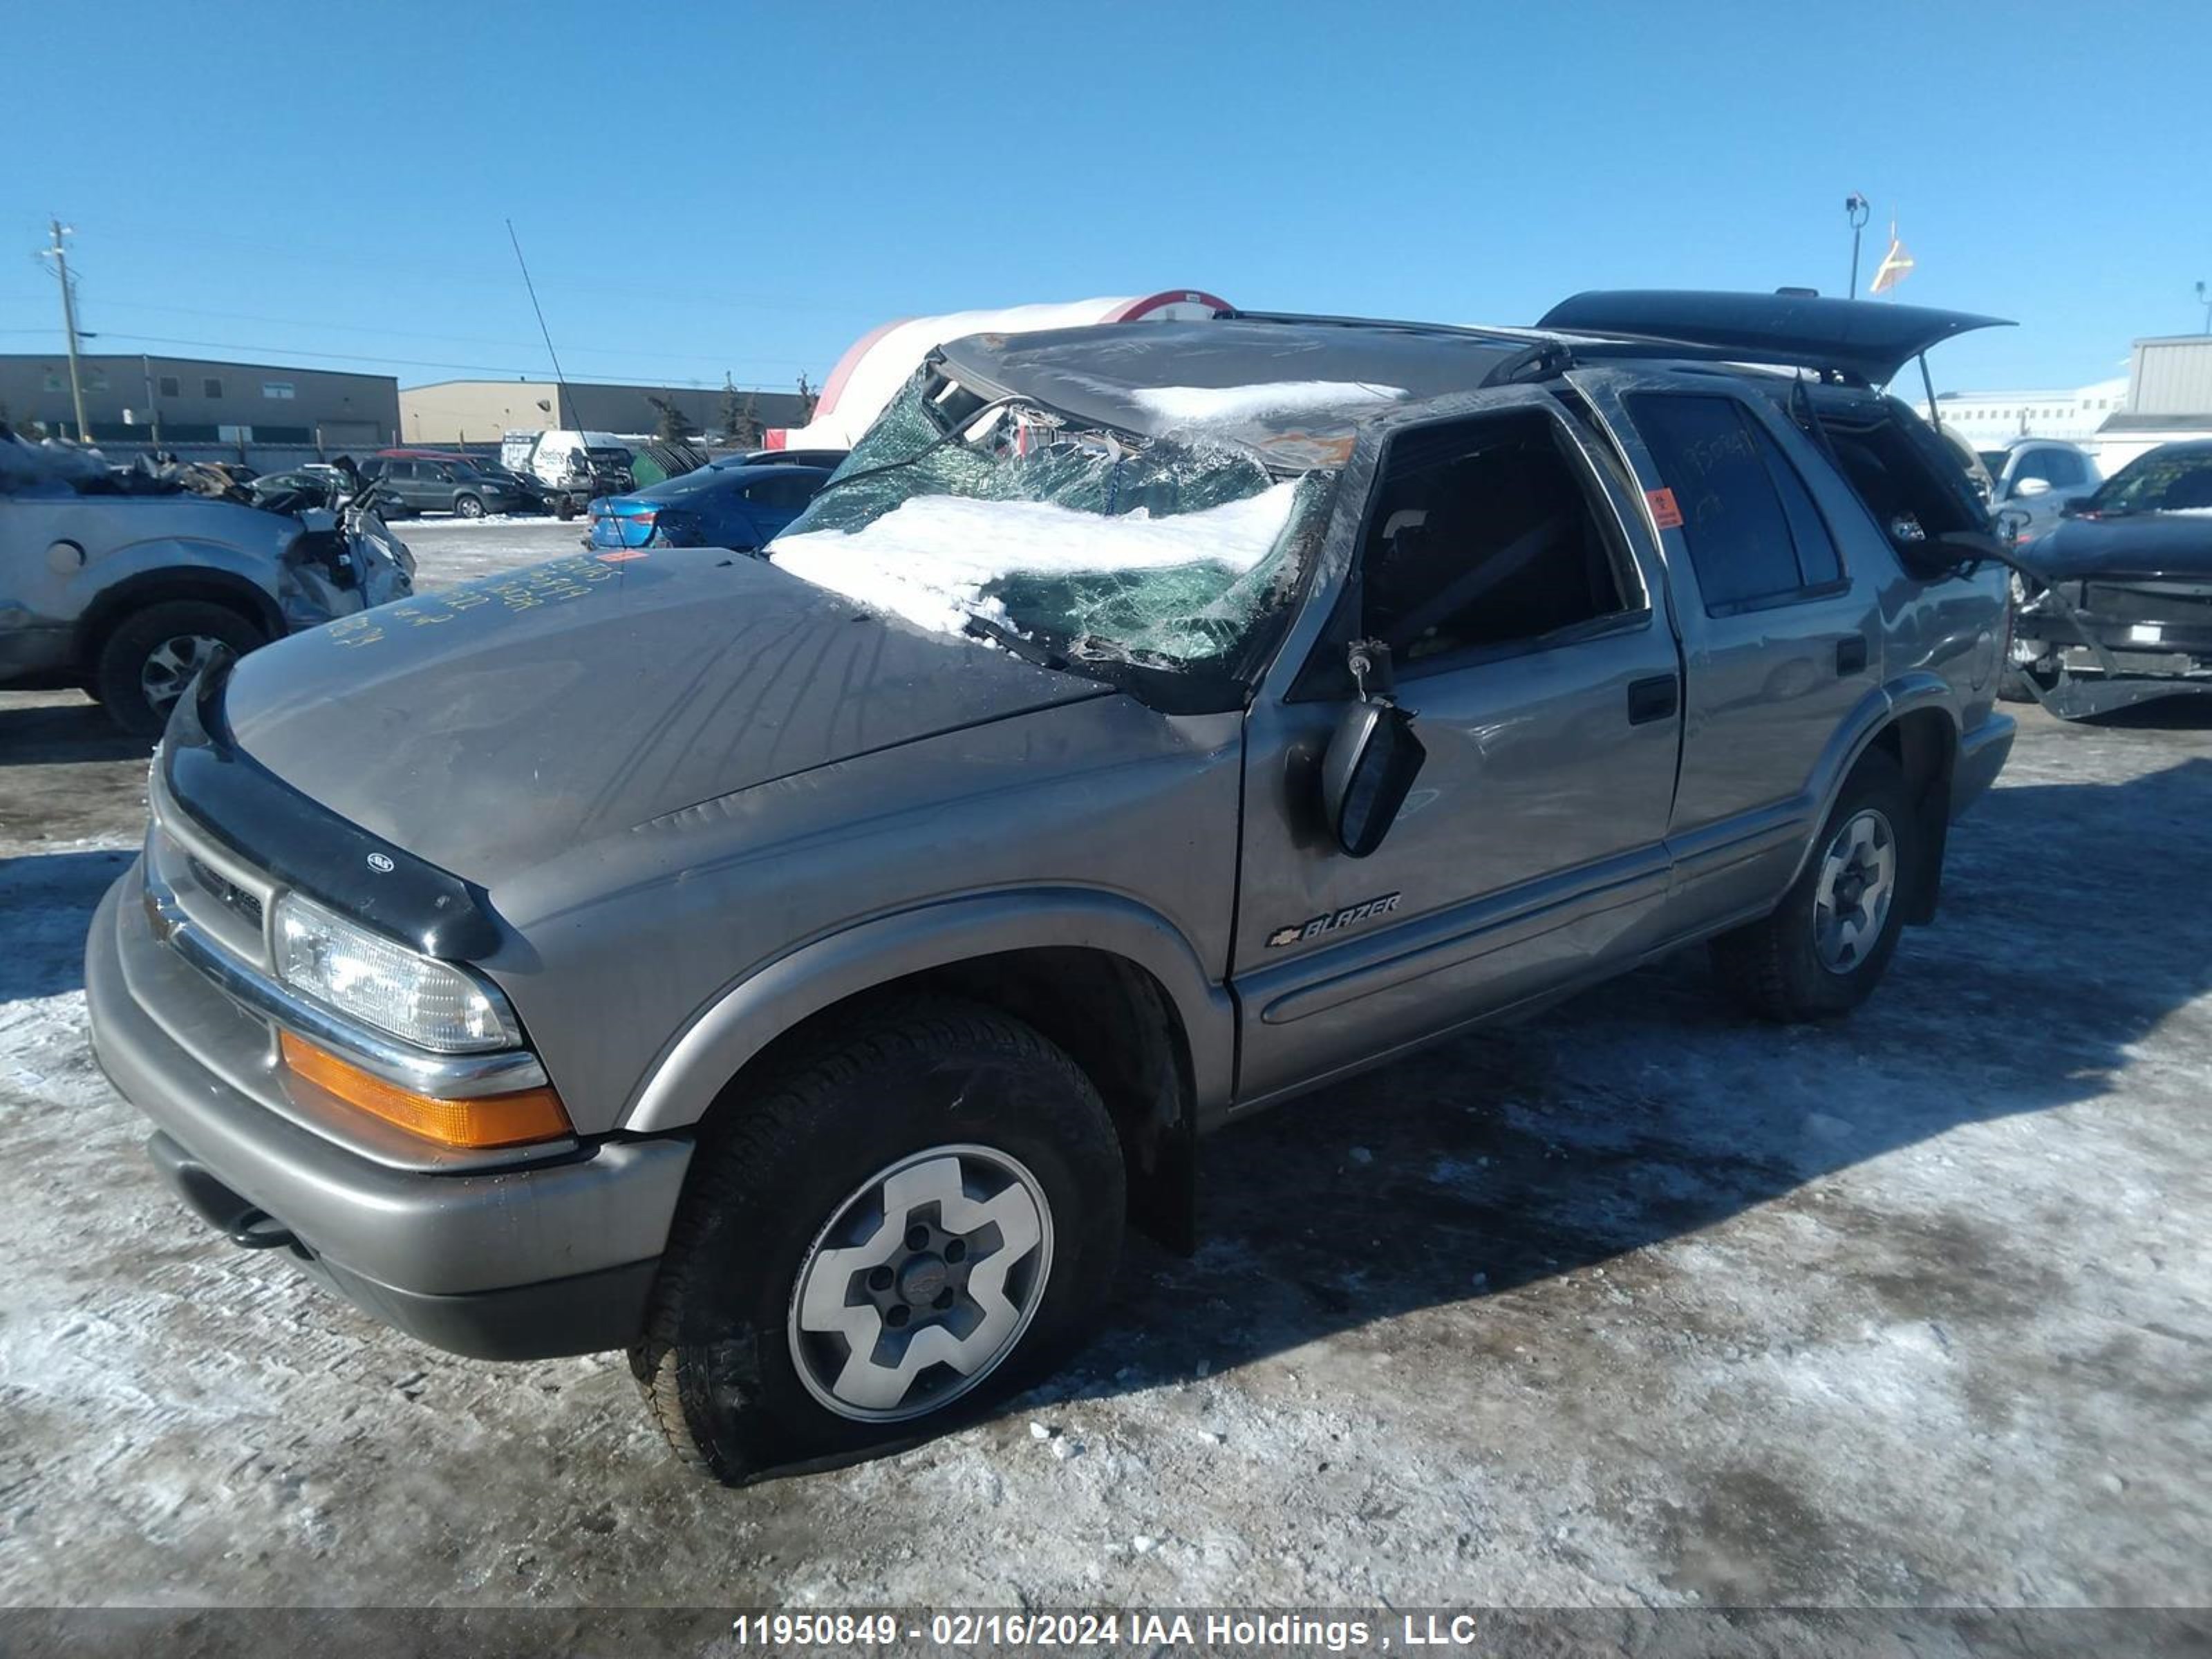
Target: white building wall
[(1989, 419)]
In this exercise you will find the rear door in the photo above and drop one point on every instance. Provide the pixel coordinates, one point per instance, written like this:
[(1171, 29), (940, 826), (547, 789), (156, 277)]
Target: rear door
[(400, 476), (1781, 640), (1498, 556)]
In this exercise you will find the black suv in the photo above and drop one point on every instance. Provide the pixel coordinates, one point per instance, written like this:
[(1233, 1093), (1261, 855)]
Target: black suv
[(450, 483)]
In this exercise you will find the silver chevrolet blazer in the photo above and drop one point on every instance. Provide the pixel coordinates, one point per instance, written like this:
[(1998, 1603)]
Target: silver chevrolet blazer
[(796, 969)]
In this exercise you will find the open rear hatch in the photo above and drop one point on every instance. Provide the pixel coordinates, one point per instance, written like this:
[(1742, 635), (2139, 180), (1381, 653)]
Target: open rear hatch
[(1856, 340)]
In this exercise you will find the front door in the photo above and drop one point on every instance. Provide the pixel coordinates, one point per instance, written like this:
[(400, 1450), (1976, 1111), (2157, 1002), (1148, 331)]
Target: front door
[(1497, 558)]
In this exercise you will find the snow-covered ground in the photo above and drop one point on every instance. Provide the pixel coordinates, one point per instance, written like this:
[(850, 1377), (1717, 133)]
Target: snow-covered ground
[(1636, 1303)]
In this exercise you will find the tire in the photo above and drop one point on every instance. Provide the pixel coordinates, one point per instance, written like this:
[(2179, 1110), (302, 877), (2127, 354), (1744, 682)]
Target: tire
[(143, 664), (785, 1237), (564, 510), (469, 507), (1807, 960)]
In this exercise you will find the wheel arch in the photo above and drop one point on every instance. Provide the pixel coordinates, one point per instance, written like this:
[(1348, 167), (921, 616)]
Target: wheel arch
[(171, 584), (1918, 727), (1107, 980)]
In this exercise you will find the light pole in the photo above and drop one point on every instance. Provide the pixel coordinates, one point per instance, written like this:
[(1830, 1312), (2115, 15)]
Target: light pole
[(1856, 208), (59, 255), (2204, 299)]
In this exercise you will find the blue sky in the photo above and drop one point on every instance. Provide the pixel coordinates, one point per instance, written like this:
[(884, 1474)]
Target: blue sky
[(750, 188)]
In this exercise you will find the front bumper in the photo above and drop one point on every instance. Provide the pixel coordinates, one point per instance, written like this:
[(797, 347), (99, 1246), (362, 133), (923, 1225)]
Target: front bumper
[(2090, 647), (521, 1262)]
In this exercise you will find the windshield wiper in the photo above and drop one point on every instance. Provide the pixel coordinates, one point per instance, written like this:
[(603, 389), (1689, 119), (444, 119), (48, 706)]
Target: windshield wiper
[(1029, 650)]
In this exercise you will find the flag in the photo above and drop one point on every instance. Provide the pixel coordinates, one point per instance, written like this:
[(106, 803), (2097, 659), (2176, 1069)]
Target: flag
[(1896, 264)]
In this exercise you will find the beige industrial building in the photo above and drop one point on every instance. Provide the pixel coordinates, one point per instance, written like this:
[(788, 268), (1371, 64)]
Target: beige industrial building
[(478, 411)]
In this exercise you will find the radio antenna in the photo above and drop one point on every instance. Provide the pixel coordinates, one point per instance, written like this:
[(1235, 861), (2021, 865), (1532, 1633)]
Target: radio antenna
[(559, 379)]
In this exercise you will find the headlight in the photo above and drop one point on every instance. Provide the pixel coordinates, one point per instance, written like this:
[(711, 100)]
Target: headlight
[(382, 983)]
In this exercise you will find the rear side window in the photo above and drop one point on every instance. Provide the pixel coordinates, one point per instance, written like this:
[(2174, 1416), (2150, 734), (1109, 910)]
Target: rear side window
[(794, 490), (1754, 534), (2061, 469)]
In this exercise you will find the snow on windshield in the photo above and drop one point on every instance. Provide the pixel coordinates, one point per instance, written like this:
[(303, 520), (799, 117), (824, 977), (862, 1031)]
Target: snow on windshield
[(932, 559), (1179, 406)]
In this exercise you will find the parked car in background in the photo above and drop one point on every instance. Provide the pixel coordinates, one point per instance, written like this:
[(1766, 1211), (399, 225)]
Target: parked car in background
[(2031, 479), (127, 596), (2114, 605), (822, 457), (315, 484), (427, 482), (742, 508), (573, 467), (796, 969)]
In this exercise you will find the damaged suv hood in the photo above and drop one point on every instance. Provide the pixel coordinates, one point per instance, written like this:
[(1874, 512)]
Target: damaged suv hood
[(489, 727), (2149, 545)]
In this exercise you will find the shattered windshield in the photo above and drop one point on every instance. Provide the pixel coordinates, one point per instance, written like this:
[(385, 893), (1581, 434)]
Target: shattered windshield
[(2180, 481), (1008, 520)]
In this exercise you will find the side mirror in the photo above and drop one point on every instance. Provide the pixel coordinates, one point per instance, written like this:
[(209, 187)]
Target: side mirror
[(2075, 505), (1373, 758), (2029, 488)]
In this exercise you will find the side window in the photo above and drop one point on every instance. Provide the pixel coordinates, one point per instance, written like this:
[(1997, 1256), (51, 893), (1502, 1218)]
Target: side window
[(787, 492), (1818, 562), (1754, 532), (400, 471), (1483, 535), (2058, 467)]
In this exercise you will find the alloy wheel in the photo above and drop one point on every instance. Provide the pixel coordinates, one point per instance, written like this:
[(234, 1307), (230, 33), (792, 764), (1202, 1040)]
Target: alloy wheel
[(921, 1282), (1858, 879), (170, 666)]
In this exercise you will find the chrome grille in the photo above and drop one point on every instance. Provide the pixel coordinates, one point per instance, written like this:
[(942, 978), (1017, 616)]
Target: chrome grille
[(246, 905)]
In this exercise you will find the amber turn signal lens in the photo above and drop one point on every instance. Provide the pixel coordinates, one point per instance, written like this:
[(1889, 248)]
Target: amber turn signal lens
[(509, 1119)]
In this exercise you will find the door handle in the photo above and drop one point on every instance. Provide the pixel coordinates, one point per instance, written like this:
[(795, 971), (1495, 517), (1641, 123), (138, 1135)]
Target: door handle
[(1850, 656), (1654, 699)]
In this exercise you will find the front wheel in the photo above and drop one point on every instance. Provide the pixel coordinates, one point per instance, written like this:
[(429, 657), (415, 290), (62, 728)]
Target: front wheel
[(1826, 946), (469, 507), (153, 654), (896, 1228)]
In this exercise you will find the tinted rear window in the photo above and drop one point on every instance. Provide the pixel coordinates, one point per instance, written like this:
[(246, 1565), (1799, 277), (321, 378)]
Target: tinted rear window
[(1710, 455)]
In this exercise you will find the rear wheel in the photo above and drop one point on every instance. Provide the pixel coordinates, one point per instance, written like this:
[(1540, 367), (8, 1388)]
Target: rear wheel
[(1827, 943), (153, 654), (899, 1228)]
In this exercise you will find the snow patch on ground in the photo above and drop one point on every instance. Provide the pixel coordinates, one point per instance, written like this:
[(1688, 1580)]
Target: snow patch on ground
[(1203, 406), (929, 559)]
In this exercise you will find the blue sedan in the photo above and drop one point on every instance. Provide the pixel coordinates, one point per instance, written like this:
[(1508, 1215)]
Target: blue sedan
[(741, 507)]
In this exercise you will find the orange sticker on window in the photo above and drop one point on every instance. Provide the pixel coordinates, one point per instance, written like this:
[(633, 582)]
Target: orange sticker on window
[(1664, 512), (629, 553)]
